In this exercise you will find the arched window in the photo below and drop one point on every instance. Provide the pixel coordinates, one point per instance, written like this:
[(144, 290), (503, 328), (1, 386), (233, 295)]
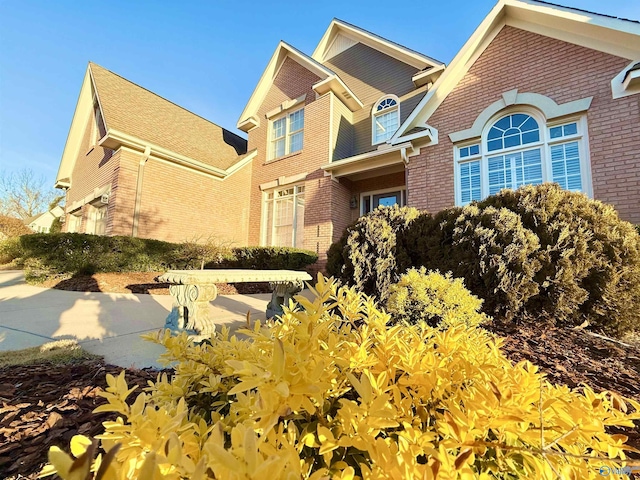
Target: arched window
[(386, 119), (521, 148)]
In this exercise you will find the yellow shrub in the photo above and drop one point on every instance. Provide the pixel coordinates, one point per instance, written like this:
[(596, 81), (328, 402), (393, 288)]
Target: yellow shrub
[(433, 298), (333, 391)]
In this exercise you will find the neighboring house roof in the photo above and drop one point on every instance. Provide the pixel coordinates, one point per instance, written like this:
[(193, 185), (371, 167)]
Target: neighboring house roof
[(136, 117), (30, 220), (604, 33)]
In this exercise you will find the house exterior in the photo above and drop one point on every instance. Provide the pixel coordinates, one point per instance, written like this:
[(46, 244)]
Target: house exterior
[(320, 125), (42, 223), (137, 164), (538, 93)]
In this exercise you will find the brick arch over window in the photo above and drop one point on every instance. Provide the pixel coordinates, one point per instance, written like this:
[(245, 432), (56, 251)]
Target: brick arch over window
[(549, 108), (522, 144)]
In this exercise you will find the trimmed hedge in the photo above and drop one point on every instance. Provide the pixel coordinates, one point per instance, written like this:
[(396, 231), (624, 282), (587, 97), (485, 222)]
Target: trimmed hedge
[(76, 253), (267, 258), (538, 254)]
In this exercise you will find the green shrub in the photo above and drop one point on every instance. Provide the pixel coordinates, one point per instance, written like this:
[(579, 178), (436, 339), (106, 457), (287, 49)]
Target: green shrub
[(10, 250), (82, 254), (78, 253), (438, 300), (369, 255), (539, 254), (589, 258), (267, 258)]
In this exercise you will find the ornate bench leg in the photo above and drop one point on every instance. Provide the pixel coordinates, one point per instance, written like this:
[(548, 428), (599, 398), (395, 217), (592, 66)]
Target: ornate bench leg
[(191, 309), (282, 292)]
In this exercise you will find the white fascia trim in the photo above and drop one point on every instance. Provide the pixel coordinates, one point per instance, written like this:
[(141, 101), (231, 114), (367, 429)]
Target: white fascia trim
[(165, 154), (245, 161), (285, 106), (376, 42), (626, 82), (351, 161), (423, 77), (270, 72), (281, 181), (354, 105), (546, 105), (532, 16), (431, 134), (75, 136)]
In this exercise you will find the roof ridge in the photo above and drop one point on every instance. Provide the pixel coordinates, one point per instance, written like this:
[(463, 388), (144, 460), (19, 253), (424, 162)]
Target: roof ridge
[(163, 98), (545, 2)]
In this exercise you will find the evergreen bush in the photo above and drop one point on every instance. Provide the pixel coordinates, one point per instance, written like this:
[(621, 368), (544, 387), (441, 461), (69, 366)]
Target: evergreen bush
[(368, 259)]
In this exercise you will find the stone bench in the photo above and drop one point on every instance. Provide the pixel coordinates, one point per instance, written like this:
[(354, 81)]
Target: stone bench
[(192, 290)]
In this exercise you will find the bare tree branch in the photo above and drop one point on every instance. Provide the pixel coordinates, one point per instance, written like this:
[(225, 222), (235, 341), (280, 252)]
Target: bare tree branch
[(24, 195)]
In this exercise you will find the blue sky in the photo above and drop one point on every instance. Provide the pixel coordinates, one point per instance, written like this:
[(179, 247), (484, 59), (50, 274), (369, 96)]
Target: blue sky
[(206, 56)]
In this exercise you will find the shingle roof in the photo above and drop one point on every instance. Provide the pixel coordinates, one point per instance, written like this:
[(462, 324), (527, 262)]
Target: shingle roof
[(586, 11), (138, 112)]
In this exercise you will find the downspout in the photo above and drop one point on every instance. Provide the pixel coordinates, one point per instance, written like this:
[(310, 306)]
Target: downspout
[(405, 160), (136, 210)]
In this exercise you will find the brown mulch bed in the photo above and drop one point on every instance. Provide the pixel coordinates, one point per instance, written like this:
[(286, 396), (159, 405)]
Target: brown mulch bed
[(138, 282), (46, 405)]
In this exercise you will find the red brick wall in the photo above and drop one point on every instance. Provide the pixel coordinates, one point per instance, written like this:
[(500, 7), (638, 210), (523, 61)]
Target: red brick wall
[(179, 205), (321, 193), (556, 69)]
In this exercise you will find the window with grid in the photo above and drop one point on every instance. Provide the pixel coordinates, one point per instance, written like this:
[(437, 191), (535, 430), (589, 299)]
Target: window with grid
[(287, 134), (517, 150), (386, 119), (283, 216)]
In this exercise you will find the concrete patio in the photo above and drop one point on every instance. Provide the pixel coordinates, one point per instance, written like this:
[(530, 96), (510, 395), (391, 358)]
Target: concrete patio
[(107, 324)]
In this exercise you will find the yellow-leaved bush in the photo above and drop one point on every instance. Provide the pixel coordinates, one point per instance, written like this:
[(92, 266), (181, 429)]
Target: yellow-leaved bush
[(332, 390)]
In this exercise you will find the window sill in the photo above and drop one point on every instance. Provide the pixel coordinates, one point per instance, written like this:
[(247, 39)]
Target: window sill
[(284, 157)]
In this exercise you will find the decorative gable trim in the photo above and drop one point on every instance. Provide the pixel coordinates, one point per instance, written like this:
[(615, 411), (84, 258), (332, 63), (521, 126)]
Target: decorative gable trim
[(546, 105), (599, 32)]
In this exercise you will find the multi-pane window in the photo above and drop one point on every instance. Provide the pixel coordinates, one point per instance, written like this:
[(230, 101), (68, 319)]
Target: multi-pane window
[(386, 119), (287, 134), (283, 216), (518, 151)]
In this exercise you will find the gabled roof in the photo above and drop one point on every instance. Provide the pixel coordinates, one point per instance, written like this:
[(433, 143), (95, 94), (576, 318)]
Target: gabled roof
[(139, 114), (328, 80), (604, 33), (338, 27)]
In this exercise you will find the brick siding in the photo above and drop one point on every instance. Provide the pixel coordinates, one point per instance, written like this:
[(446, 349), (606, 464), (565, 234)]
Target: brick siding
[(559, 70)]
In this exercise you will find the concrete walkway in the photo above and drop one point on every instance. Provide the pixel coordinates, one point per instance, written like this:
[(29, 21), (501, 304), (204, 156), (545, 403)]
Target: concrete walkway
[(107, 324)]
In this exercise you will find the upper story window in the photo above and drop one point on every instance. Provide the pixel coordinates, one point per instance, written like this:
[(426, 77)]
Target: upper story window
[(386, 119), (522, 149), (287, 134)]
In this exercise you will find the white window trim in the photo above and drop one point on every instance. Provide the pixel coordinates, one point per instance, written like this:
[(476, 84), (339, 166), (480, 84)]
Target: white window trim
[(287, 134), (374, 114), (401, 189), (545, 143), (264, 211)]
